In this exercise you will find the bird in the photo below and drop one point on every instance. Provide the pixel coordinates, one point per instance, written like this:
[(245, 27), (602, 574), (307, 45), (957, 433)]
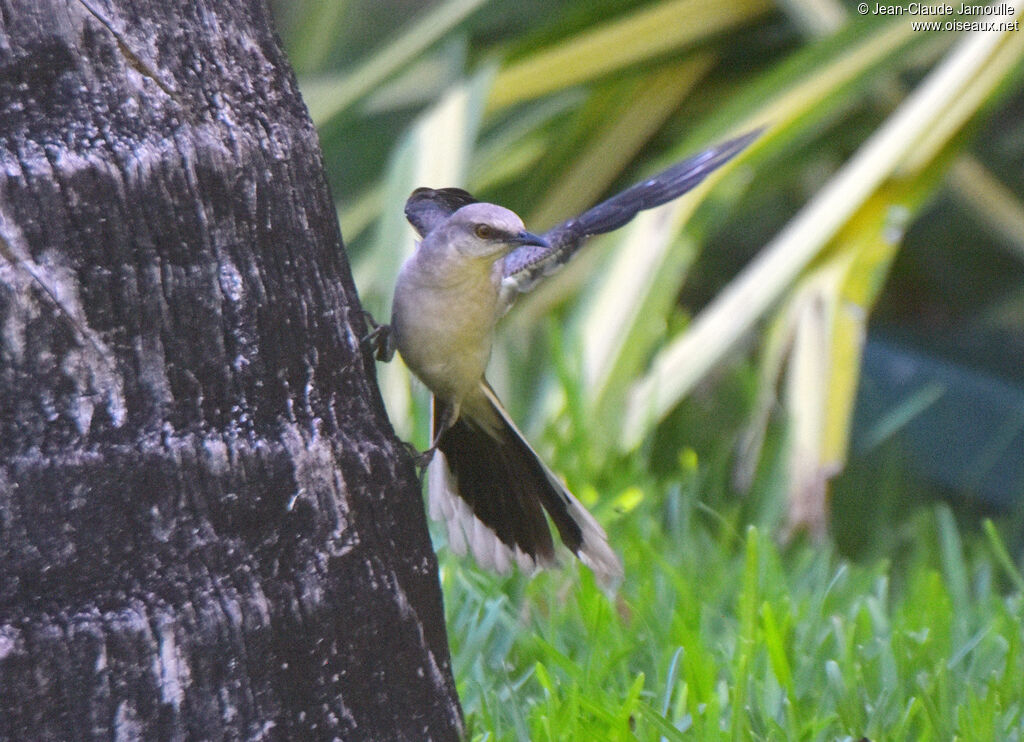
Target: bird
[(484, 480)]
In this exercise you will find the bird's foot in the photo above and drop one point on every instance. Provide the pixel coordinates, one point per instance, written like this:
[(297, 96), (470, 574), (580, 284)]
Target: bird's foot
[(380, 340), (421, 459)]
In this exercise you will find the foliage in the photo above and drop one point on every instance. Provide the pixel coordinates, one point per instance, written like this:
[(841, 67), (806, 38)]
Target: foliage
[(718, 635), (634, 366)]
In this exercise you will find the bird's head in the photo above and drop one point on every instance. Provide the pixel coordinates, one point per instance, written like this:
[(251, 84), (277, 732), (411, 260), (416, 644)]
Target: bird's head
[(488, 231)]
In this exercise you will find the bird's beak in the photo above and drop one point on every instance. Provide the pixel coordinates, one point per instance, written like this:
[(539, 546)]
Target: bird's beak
[(529, 238)]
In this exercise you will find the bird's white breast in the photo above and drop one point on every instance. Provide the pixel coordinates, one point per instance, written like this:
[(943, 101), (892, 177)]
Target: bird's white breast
[(444, 323)]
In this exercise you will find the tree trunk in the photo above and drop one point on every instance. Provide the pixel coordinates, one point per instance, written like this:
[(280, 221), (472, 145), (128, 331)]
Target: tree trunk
[(207, 528)]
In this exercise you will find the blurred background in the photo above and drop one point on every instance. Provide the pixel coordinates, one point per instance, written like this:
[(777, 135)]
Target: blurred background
[(846, 302), (825, 339)]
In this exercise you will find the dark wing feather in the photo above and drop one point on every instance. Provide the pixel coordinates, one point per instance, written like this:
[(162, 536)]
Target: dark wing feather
[(427, 207), (527, 265)]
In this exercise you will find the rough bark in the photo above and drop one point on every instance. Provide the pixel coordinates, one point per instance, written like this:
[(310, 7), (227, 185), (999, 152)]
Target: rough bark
[(207, 528)]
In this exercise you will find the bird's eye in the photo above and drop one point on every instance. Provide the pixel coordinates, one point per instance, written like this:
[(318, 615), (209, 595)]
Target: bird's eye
[(484, 231)]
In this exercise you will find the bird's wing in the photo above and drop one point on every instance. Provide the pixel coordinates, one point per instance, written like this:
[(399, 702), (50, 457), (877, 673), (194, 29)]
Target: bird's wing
[(427, 207), (524, 267)]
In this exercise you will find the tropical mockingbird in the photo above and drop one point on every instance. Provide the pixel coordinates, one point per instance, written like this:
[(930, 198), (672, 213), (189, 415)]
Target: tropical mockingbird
[(473, 260)]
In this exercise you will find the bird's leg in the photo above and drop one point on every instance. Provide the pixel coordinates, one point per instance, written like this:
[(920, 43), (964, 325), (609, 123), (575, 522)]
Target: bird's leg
[(420, 459), (423, 459), (449, 414), (380, 339)]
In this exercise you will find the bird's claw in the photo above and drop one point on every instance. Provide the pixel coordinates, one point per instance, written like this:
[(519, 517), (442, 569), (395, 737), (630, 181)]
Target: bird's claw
[(423, 459), (380, 340), (420, 459)]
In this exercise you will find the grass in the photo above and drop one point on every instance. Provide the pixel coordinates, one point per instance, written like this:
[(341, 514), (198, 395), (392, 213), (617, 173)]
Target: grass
[(723, 635), (720, 632)]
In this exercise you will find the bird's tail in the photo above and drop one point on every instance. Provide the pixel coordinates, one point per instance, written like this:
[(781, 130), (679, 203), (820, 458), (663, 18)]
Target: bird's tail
[(492, 490)]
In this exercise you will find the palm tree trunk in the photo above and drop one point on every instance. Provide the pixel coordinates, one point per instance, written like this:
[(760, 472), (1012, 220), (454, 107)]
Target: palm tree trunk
[(207, 528)]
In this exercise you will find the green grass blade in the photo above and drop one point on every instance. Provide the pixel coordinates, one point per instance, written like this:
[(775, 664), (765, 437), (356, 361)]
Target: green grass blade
[(1002, 556)]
